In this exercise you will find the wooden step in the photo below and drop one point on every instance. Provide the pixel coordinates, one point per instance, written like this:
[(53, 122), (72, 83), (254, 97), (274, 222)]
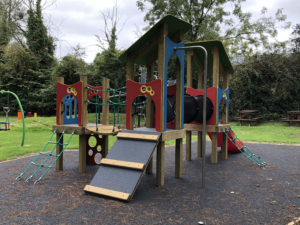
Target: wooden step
[(124, 164), (145, 137), (107, 192)]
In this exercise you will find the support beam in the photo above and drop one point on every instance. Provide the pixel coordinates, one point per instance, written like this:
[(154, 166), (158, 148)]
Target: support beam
[(163, 31), (216, 60), (188, 140), (199, 144), (225, 86), (224, 147), (59, 148), (189, 68), (178, 93), (130, 76), (83, 79), (105, 98), (149, 107), (149, 169), (214, 148), (82, 154), (178, 158), (160, 164), (198, 64), (104, 145), (61, 118)]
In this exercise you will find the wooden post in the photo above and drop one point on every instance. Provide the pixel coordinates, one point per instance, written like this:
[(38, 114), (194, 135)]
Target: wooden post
[(59, 148), (160, 164), (216, 66), (61, 119), (149, 109), (214, 148), (149, 169), (189, 68), (163, 31), (83, 79), (224, 147), (199, 144), (82, 153), (130, 76), (178, 158), (105, 108), (104, 145), (188, 140)]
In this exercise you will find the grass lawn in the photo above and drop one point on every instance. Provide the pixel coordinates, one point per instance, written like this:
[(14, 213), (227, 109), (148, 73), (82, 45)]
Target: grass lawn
[(38, 132)]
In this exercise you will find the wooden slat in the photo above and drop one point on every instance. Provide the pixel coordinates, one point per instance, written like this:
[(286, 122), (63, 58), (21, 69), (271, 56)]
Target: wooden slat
[(107, 192), (209, 128), (171, 135), (125, 164), (69, 129), (145, 137), (103, 130)]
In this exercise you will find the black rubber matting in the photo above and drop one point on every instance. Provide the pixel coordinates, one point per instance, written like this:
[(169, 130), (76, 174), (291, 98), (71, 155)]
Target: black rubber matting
[(129, 150)]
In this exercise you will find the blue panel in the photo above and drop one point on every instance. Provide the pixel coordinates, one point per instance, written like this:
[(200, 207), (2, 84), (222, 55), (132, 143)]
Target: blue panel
[(169, 51), (68, 100), (223, 94)]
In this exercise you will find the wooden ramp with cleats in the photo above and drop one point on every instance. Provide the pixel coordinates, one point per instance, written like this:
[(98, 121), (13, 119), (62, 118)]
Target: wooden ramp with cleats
[(121, 171)]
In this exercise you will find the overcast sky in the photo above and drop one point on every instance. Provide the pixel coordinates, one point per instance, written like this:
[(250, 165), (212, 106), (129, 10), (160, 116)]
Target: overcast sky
[(79, 21)]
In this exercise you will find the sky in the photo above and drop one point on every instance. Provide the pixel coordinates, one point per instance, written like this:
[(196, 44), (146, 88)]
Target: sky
[(77, 22)]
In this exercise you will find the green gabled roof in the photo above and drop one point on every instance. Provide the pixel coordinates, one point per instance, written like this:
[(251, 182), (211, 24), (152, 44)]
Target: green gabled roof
[(208, 46), (174, 25)]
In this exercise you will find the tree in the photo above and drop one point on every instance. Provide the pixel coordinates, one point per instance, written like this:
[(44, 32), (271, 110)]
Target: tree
[(295, 40), (211, 20)]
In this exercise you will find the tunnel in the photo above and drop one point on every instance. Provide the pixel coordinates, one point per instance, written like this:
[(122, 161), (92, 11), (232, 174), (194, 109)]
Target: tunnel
[(193, 108)]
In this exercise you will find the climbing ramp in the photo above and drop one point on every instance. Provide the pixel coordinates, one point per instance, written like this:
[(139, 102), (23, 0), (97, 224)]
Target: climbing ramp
[(47, 158), (242, 148), (121, 171)]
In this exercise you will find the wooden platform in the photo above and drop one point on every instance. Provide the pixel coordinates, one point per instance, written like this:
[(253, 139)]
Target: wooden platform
[(209, 128), (122, 169), (89, 129)]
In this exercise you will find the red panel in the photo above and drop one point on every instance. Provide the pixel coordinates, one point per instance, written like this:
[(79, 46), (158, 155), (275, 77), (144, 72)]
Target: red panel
[(231, 147), (61, 91), (133, 89), (212, 95), (91, 93)]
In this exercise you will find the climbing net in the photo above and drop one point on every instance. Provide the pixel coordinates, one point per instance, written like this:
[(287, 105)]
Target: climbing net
[(115, 102)]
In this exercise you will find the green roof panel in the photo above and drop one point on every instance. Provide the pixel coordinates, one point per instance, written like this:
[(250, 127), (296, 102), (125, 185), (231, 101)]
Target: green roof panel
[(174, 25)]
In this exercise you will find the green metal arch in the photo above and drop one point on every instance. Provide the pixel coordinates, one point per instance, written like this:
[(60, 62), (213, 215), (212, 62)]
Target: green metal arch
[(23, 118)]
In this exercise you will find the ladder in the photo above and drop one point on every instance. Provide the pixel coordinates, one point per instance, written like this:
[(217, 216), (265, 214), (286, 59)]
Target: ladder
[(48, 156), (243, 149)]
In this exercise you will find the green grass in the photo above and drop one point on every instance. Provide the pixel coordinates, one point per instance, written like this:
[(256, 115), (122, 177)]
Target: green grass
[(39, 130)]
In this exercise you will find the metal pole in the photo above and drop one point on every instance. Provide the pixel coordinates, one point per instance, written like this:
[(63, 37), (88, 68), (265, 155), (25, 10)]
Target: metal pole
[(204, 107)]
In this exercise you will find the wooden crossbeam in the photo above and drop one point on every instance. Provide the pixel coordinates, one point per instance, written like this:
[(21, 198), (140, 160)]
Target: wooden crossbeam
[(198, 63), (145, 137), (119, 163), (107, 192), (146, 47)]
